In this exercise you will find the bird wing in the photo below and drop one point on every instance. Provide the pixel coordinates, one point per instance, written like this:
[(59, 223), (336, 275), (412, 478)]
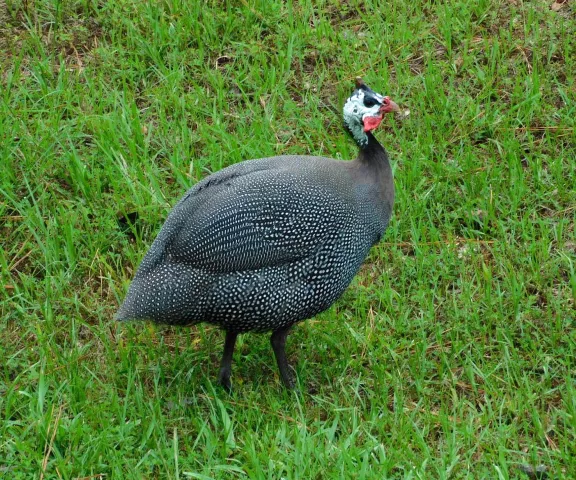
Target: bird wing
[(252, 220)]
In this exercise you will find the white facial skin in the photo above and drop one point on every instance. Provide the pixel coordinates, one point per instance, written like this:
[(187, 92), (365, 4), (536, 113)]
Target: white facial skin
[(355, 112)]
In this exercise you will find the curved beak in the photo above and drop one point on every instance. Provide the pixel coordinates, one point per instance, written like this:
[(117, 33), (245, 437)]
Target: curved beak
[(389, 106)]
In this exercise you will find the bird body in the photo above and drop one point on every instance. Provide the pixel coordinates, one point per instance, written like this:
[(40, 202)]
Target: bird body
[(259, 245), (263, 244)]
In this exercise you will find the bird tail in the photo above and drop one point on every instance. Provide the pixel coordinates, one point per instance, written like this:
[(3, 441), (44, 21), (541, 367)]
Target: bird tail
[(124, 313), (149, 300), (131, 308), (165, 295)]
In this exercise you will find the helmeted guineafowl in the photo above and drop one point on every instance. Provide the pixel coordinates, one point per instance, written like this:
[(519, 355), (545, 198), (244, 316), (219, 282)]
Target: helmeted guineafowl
[(266, 243)]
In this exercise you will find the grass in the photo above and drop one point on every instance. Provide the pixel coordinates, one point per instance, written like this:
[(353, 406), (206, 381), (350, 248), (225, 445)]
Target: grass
[(453, 353)]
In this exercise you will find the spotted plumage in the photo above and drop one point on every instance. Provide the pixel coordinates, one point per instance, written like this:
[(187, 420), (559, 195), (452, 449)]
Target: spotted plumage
[(265, 243)]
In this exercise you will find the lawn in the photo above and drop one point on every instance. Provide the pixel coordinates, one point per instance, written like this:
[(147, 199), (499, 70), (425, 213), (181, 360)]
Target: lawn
[(453, 352)]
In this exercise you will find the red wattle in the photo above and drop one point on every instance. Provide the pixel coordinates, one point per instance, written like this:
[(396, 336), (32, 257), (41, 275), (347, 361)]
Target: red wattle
[(370, 123)]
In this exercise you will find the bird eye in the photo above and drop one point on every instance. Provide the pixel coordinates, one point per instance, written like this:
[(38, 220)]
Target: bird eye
[(369, 102)]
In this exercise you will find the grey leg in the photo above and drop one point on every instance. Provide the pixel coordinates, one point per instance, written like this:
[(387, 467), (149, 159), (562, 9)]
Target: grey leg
[(226, 363), (278, 341)]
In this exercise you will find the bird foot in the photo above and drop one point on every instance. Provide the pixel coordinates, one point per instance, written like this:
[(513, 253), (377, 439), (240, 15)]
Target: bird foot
[(288, 378), (224, 380), (290, 384)]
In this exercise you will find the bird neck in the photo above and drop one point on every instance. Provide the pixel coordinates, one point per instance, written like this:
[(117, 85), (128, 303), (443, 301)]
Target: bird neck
[(373, 162), (373, 153)]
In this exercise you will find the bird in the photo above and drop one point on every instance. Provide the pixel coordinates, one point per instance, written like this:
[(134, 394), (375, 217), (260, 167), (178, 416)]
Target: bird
[(266, 243)]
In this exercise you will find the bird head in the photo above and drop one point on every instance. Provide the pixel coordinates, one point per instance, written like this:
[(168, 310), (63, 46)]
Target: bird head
[(364, 110)]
